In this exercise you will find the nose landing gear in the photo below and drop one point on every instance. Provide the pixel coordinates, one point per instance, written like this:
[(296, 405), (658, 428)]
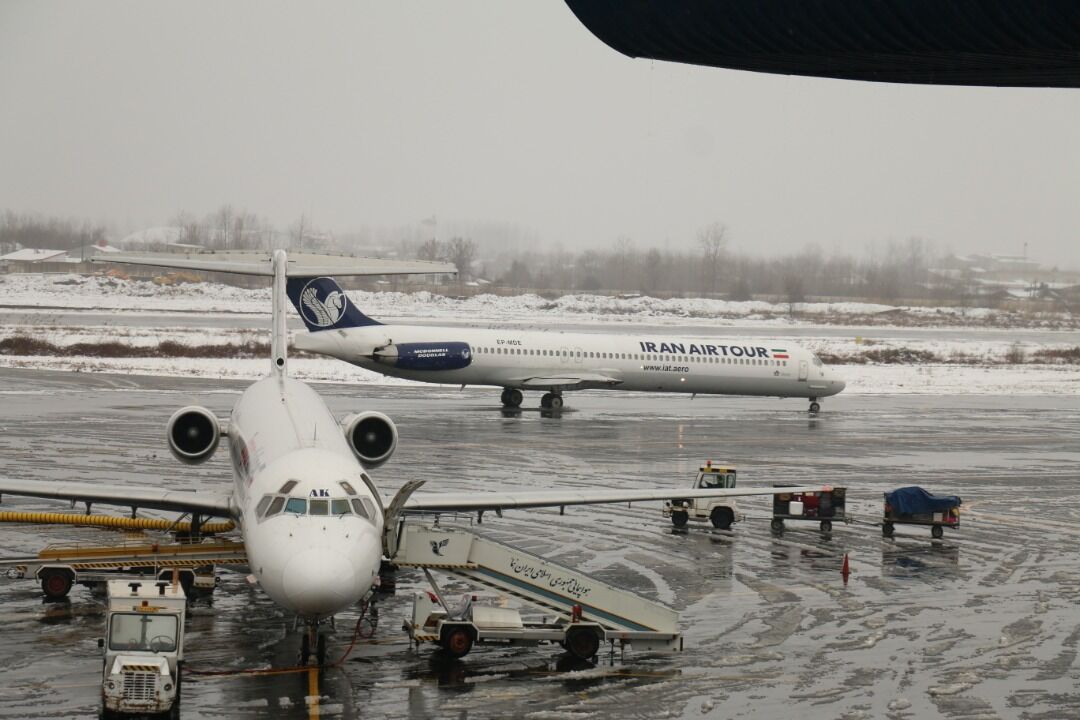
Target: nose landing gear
[(312, 638), (815, 407)]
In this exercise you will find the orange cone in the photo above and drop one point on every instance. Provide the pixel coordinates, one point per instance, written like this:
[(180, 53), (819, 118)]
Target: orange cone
[(845, 570)]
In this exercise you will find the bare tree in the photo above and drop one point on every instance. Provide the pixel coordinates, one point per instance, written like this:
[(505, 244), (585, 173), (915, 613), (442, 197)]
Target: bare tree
[(298, 229), (429, 250), (712, 239), (461, 252)]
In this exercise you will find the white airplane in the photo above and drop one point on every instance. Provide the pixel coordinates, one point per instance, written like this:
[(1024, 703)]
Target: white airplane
[(554, 362), (314, 525)]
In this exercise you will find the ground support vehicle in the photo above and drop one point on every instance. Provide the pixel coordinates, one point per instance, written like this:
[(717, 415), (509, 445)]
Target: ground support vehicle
[(915, 506), (825, 507), (59, 567), (585, 613), (144, 648), (721, 512)]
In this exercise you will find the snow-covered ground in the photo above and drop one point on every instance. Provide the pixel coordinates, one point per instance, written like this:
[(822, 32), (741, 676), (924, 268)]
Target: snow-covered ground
[(30, 293)]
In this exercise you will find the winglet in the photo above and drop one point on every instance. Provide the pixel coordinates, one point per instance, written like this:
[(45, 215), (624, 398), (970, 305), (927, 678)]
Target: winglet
[(323, 305)]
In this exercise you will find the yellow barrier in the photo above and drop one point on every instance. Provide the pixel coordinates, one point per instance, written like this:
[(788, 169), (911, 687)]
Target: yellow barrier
[(111, 521)]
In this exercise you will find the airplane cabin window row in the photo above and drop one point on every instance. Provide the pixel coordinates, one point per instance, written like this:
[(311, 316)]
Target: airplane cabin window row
[(706, 359)]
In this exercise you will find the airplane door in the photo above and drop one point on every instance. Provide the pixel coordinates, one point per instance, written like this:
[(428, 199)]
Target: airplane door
[(804, 368)]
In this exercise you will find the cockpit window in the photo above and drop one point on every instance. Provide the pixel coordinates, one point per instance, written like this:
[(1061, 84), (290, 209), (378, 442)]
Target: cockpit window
[(339, 506), (359, 509), (348, 488), (319, 507), (296, 505), (261, 507), (287, 487), (275, 506)]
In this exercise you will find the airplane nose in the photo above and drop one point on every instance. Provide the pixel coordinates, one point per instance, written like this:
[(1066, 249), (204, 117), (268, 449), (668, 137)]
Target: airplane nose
[(319, 582)]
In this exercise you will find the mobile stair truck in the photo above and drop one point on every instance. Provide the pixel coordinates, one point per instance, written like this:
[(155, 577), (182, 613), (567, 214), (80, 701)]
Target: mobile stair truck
[(585, 612), (144, 649), (719, 511)]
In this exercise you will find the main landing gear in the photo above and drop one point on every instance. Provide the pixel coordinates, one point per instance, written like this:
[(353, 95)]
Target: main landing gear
[(512, 397), (815, 406), (551, 401)]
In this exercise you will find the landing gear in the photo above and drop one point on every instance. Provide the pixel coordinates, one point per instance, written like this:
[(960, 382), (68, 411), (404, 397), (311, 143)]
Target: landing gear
[(815, 406), (313, 639), (320, 651), (551, 401), (511, 397)]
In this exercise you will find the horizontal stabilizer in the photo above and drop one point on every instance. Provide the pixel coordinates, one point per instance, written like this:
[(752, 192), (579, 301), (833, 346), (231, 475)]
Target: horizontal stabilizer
[(259, 263)]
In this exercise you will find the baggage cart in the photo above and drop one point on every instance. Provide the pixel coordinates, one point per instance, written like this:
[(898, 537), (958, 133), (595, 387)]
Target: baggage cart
[(824, 507), (915, 506)]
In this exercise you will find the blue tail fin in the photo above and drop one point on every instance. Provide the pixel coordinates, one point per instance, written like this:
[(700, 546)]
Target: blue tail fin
[(323, 305)]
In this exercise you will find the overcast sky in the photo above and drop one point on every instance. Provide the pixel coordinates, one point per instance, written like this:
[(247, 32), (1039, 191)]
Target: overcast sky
[(385, 113)]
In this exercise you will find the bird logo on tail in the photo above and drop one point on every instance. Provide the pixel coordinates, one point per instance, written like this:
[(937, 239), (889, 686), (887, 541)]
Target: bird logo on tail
[(322, 313)]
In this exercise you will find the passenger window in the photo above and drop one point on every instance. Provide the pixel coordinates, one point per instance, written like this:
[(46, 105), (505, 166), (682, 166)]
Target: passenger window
[(318, 507), (348, 488), (358, 508), (296, 505), (339, 507), (263, 504), (275, 506), (287, 487)]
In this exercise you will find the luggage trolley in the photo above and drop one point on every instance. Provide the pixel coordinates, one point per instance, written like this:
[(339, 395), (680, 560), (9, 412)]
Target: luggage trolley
[(915, 506), (824, 506)]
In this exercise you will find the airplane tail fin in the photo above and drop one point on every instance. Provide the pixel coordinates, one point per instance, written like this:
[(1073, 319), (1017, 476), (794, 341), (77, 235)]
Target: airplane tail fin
[(323, 305)]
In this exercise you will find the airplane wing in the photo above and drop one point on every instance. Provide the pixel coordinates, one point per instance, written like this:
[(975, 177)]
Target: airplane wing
[(472, 502), (203, 503), (259, 263), (568, 381)]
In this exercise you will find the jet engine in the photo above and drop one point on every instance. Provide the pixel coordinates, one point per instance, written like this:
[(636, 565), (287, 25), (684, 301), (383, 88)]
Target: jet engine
[(372, 437), (193, 433)]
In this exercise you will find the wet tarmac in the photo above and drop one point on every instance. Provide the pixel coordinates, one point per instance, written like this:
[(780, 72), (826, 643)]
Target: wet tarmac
[(980, 625)]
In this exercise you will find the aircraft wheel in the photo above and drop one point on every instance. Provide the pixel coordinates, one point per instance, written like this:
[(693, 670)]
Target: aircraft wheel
[(456, 641), (815, 407), (545, 401), (937, 531), (512, 398), (722, 518), (826, 526), (887, 529), (679, 518), (56, 583), (556, 402), (583, 643), (777, 525)]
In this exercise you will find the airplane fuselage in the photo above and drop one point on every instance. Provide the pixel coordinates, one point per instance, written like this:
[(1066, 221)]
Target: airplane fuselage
[(551, 360)]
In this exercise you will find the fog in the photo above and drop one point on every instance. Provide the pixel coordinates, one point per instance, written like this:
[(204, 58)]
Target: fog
[(359, 114)]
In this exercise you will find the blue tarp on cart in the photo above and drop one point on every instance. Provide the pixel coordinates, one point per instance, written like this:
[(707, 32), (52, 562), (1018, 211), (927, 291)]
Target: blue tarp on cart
[(914, 501)]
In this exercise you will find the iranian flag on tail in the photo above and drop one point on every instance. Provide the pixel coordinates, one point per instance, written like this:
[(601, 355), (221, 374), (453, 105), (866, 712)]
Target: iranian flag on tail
[(779, 354)]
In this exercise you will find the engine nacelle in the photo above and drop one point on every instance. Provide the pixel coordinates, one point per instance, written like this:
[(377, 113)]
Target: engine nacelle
[(372, 437), (193, 433)]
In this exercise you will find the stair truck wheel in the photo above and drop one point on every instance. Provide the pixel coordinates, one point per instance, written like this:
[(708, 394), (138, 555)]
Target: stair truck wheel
[(679, 518), (456, 640), (887, 529), (777, 525), (722, 518), (937, 531), (583, 643), (826, 526), (56, 583)]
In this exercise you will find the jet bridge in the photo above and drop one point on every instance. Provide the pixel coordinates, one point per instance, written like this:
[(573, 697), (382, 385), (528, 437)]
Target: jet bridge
[(587, 611)]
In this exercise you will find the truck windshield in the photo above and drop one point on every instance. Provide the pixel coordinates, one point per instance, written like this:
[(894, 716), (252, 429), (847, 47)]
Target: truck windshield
[(717, 480), (142, 631)]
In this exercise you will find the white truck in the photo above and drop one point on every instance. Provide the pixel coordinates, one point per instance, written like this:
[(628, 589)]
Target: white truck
[(719, 511), (144, 649)]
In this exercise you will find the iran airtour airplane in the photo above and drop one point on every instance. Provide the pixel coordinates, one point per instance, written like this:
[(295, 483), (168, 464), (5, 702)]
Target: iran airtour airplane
[(314, 525), (553, 362)]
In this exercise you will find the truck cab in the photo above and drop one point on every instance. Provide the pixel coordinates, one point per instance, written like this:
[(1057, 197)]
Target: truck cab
[(144, 648), (721, 512)]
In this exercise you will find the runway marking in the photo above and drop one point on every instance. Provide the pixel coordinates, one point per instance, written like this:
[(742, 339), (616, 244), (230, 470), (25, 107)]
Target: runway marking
[(313, 692)]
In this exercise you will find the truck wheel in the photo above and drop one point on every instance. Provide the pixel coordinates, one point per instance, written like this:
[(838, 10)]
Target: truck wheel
[(456, 641), (583, 643), (937, 531), (679, 518), (722, 518), (777, 525), (56, 583), (826, 526), (887, 529)]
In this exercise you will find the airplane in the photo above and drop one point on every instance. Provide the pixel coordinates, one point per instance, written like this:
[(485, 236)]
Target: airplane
[(314, 525), (554, 362)]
